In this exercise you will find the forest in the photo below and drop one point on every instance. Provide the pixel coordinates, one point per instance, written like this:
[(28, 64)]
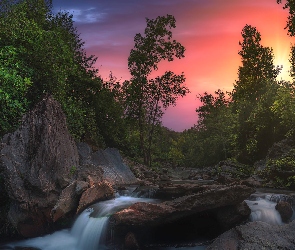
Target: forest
[(41, 53)]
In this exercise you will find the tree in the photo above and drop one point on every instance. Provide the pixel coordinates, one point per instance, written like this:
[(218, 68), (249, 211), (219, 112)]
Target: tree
[(257, 66), (51, 55), (146, 98), (253, 91), (215, 128)]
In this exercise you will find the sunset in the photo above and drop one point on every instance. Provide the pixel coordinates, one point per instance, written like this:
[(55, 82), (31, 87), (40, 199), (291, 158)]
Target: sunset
[(147, 124), (209, 30)]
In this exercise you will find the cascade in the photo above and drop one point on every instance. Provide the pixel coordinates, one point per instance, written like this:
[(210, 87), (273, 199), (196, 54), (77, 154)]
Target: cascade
[(88, 231), (262, 205)]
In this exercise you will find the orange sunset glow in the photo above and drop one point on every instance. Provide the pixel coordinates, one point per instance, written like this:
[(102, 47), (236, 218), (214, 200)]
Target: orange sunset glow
[(210, 31)]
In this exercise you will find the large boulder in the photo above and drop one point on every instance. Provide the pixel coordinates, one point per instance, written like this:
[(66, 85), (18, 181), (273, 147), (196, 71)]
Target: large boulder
[(97, 192), (36, 162), (256, 235), (202, 207), (285, 210), (115, 171)]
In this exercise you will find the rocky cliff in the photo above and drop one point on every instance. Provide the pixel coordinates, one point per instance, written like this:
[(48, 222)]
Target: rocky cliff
[(45, 176)]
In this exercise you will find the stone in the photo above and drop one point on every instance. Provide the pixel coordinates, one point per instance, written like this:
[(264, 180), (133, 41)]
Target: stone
[(36, 162), (285, 210), (98, 192), (131, 242), (108, 161), (256, 235), (230, 216), (67, 202), (177, 190), (151, 215)]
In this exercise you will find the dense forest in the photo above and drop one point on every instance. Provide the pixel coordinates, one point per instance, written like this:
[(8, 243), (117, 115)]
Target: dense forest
[(42, 53)]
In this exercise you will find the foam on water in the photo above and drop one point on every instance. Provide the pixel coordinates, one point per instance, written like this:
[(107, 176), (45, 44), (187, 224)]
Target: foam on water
[(264, 210)]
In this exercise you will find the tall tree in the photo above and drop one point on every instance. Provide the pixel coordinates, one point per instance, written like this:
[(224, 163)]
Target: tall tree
[(252, 90), (257, 66), (146, 98)]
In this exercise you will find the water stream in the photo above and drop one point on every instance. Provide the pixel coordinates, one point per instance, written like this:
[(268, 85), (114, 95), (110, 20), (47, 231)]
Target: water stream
[(263, 205), (90, 230)]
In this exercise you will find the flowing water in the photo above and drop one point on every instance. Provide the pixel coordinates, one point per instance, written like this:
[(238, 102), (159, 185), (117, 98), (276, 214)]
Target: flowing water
[(263, 205), (88, 231)]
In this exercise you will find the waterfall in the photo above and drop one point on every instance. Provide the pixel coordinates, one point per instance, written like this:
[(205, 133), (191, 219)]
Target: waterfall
[(264, 210), (89, 230)]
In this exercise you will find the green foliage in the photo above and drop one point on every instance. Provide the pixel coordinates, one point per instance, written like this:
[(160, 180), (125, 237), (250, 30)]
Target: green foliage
[(281, 171), (73, 170), (14, 84), (41, 52), (215, 128)]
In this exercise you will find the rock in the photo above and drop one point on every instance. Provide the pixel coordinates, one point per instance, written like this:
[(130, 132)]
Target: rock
[(131, 242), (252, 182), (109, 161), (81, 186), (256, 235), (177, 190), (164, 178), (98, 192), (229, 216), (285, 210), (151, 215), (67, 202), (36, 162)]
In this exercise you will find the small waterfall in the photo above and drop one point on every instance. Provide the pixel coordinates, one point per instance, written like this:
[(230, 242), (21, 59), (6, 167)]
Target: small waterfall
[(264, 210), (89, 230)]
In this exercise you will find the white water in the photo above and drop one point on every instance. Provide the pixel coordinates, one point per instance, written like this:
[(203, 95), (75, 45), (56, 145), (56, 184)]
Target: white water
[(264, 210), (88, 231)]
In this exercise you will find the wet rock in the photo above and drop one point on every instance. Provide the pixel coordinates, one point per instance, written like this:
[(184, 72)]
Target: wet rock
[(285, 210), (36, 162), (143, 214), (131, 242), (256, 235), (230, 216), (98, 192)]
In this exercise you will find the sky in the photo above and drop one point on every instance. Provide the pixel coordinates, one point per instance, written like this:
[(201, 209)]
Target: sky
[(210, 30)]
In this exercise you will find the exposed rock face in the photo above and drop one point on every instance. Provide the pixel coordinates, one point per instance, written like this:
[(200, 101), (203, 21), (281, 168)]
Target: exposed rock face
[(110, 161), (142, 215), (36, 161), (45, 176), (256, 235)]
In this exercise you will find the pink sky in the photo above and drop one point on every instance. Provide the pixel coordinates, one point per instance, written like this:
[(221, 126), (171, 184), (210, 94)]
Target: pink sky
[(210, 30)]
